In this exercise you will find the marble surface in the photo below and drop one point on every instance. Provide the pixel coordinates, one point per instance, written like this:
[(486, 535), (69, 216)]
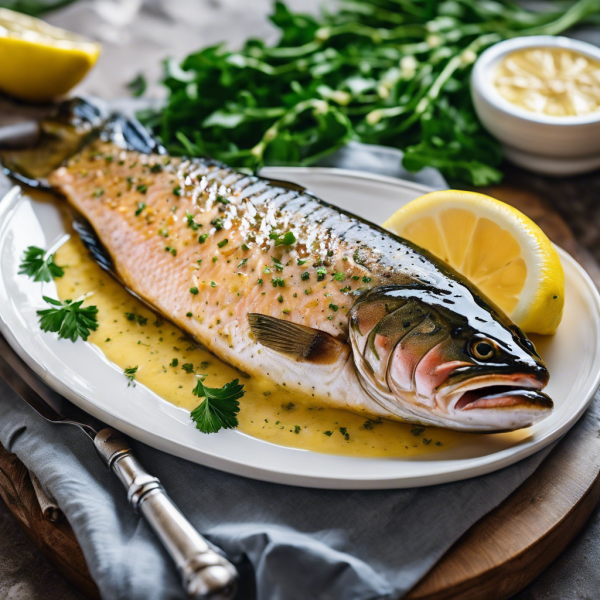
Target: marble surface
[(136, 36)]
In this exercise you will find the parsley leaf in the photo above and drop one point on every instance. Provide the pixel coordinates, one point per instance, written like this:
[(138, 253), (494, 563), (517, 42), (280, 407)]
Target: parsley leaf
[(130, 373), (138, 85), (220, 406), (68, 319), (283, 239), (39, 266)]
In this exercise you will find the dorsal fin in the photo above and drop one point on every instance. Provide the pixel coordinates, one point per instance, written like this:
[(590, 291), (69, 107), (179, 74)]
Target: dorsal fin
[(305, 343)]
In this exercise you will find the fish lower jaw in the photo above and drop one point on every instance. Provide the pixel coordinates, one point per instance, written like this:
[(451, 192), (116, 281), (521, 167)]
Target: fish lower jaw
[(498, 405)]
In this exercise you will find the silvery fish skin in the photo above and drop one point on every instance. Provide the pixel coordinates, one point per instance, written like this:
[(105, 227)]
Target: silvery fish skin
[(283, 285)]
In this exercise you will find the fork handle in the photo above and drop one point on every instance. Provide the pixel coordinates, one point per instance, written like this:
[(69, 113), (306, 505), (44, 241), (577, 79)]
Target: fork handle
[(206, 575)]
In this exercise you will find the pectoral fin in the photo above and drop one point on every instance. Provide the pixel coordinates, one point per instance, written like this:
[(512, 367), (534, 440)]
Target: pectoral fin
[(304, 343)]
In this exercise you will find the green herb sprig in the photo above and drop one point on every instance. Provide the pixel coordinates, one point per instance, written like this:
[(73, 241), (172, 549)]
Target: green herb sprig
[(388, 72), (69, 319), (39, 265), (130, 373), (220, 406)]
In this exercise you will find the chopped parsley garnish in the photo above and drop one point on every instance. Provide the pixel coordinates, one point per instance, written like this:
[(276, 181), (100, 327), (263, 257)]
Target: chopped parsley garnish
[(297, 428), (135, 317), (355, 277), (190, 221), (285, 239), (174, 362), (156, 168), (141, 206), (259, 281), (245, 248), (366, 279), (172, 250), (346, 289), (286, 311), (188, 367), (202, 237), (426, 441), (130, 373), (334, 307), (221, 200), (305, 276), (40, 266), (188, 314), (218, 223), (321, 272), (223, 243), (142, 188), (220, 406), (358, 259), (242, 263), (328, 433), (302, 261), (344, 432), (417, 431), (277, 281), (194, 290), (213, 284), (68, 319), (97, 192), (177, 190), (277, 263), (338, 276), (280, 299)]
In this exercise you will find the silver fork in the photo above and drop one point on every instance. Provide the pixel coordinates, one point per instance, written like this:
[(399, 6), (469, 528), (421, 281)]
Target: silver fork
[(205, 574)]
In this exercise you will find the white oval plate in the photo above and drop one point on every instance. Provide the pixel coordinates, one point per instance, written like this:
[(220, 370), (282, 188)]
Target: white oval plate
[(82, 374)]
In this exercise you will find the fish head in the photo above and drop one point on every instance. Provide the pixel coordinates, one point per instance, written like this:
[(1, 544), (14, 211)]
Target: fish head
[(460, 364)]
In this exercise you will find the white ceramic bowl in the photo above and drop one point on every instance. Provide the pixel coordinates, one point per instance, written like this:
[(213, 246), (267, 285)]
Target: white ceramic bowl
[(543, 143)]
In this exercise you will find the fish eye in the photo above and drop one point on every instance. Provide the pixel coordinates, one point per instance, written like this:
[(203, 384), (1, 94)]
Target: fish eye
[(483, 349)]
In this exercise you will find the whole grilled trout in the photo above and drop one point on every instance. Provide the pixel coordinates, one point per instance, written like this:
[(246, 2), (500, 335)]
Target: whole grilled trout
[(283, 285)]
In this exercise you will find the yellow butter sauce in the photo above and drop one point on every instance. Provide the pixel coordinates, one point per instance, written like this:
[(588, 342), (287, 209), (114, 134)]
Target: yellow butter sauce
[(550, 81), (130, 335)]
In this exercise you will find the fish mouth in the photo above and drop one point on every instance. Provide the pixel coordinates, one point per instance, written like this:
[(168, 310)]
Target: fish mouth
[(516, 399)]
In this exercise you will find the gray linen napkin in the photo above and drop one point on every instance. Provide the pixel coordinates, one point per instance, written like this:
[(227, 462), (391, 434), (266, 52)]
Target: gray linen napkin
[(288, 543)]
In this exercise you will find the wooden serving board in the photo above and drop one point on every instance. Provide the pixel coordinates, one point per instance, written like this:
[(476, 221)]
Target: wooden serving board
[(496, 558)]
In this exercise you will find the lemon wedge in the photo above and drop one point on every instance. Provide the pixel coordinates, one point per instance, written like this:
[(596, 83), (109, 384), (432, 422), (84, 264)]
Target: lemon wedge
[(496, 247), (39, 62)]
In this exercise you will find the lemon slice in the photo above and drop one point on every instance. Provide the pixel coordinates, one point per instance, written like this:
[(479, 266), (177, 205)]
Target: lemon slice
[(496, 247), (39, 62)]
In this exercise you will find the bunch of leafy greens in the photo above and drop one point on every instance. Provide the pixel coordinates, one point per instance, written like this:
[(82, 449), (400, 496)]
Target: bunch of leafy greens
[(390, 72)]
